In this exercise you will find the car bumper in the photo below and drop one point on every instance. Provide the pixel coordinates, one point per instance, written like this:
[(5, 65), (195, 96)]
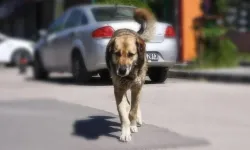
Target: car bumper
[(166, 50)]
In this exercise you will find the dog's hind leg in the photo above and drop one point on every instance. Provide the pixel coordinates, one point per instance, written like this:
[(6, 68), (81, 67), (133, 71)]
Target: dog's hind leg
[(133, 114), (122, 105)]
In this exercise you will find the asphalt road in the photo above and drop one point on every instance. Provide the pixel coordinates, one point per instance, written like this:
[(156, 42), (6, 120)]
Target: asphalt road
[(183, 115)]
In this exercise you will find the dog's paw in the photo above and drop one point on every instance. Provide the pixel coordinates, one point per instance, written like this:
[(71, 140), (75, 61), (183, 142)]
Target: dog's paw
[(139, 122), (133, 129), (125, 137)]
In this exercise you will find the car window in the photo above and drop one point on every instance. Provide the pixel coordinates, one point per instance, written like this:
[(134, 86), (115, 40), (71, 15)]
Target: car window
[(57, 25), (84, 19), (1, 40), (74, 19), (112, 13)]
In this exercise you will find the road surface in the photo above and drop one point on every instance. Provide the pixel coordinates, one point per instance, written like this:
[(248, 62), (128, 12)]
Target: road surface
[(181, 114)]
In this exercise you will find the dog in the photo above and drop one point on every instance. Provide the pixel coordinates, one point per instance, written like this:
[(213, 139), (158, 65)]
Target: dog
[(127, 64)]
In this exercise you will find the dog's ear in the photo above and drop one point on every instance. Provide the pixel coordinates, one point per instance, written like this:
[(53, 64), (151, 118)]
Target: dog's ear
[(141, 49), (108, 54), (141, 46), (110, 45)]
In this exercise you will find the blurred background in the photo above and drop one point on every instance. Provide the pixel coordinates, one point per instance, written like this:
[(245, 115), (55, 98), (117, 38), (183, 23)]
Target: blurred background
[(24, 18)]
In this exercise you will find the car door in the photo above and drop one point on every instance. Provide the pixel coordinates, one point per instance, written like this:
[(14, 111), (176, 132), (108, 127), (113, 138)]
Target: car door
[(67, 38), (49, 55)]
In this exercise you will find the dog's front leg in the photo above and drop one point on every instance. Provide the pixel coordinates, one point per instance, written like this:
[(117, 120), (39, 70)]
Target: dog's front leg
[(133, 114), (139, 116), (122, 105)]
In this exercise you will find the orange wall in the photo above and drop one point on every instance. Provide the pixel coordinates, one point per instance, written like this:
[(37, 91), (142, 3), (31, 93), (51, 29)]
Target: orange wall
[(190, 10)]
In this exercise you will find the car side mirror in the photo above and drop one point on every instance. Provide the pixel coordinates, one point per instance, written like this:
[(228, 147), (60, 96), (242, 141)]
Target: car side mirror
[(42, 33)]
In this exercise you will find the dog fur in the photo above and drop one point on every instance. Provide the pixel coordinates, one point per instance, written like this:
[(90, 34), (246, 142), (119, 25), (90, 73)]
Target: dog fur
[(127, 63)]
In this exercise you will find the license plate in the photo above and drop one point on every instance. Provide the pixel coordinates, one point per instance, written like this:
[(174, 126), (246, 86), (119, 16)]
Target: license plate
[(152, 57)]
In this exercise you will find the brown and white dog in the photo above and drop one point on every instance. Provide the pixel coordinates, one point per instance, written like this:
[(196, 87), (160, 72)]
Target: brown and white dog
[(127, 64)]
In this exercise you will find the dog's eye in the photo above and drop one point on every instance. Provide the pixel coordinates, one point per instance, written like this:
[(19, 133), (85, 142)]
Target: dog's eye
[(130, 54), (118, 54)]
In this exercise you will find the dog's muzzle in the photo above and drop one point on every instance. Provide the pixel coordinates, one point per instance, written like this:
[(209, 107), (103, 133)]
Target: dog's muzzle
[(123, 70)]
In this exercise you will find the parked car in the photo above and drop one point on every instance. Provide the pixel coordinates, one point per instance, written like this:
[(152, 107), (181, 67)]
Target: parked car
[(11, 48), (76, 42)]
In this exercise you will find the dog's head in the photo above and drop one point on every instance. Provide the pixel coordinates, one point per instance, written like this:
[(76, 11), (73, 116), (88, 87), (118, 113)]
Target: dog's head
[(126, 52)]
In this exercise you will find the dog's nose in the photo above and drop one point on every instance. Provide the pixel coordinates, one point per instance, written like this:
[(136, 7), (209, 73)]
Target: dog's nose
[(122, 70)]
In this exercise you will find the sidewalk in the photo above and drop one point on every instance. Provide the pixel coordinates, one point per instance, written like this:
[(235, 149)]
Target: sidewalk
[(239, 74)]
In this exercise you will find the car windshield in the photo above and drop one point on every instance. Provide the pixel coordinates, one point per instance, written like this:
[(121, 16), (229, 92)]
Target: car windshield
[(113, 13), (2, 37)]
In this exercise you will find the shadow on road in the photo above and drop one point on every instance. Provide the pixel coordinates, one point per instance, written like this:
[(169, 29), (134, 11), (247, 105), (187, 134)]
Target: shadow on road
[(51, 124), (95, 126)]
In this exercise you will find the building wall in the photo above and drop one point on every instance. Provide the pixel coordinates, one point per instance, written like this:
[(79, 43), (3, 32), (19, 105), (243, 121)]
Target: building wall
[(25, 21), (69, 3), (238, 18)]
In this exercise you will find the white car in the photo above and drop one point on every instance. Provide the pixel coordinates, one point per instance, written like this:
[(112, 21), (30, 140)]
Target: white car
[(11, 48)]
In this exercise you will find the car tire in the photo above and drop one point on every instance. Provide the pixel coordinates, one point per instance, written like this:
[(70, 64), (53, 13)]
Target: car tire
[(39, 73), (158, 74), (105, 76), (79, 71), (16, 57)]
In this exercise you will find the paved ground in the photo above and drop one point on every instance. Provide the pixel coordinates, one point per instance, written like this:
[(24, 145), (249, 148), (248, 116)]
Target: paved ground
[(177, 115)]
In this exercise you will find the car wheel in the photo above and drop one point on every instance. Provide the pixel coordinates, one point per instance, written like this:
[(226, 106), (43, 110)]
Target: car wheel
[(104, 74), (16, 57), (39, 73), (158, 75), (79, 71)]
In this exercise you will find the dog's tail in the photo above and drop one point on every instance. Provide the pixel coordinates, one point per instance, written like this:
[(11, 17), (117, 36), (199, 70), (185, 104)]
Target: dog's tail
[(147, 21)]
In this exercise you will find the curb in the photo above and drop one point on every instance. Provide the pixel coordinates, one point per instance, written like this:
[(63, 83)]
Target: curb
[(210, 76), (245, 64)]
